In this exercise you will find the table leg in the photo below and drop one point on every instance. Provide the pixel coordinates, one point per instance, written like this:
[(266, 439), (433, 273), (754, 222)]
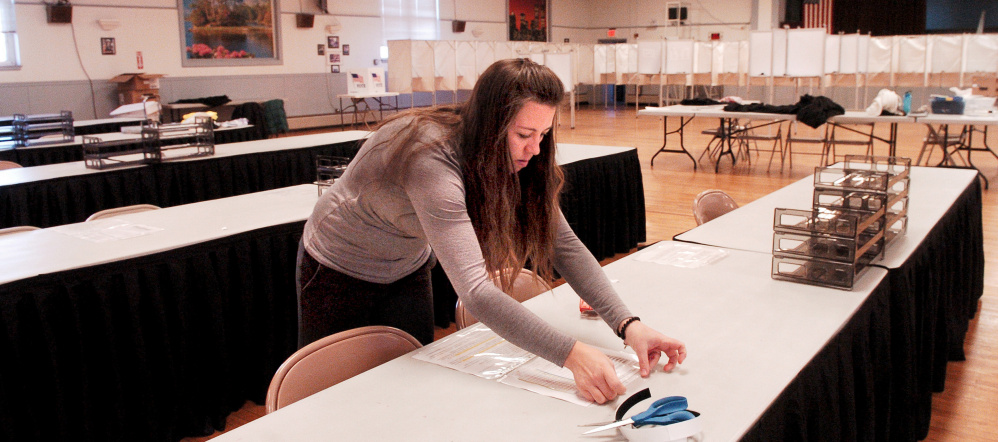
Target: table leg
[(970, 149), (665, 140)]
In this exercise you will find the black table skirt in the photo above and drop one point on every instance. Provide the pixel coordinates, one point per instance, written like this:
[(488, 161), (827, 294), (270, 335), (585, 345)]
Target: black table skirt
[(604, 202), (875, 379), (154, 348), (41, 155), (72, 199)]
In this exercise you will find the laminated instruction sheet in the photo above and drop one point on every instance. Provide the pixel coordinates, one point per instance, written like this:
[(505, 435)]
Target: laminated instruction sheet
[(480, 351)]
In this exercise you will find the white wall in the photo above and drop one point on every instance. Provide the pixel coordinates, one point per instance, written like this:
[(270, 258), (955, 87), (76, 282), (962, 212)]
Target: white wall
[(49, 54)]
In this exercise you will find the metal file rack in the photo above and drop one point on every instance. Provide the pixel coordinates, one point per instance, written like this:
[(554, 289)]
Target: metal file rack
[(156, 145), (328, 169), (28, 130), (857, 211)]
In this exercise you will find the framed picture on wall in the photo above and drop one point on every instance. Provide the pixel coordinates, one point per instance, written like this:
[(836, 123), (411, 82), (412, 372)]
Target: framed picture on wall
[(242, 33), (321, 49), (334, 69), (334, 58), (333, 41), (107, 45), (528, 20), (346, 49)]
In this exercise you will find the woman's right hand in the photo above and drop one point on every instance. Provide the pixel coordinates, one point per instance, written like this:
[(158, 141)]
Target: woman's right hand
[(595, 376)]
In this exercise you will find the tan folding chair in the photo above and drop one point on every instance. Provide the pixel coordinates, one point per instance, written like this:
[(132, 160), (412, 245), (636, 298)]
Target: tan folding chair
[(525, 286), (4, 165), (334, 359), (17, 229), (109, 213), (711, 204), (934, 139)]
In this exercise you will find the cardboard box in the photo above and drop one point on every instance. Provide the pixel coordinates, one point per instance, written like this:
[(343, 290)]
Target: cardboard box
[(132, 87), (986, 85)]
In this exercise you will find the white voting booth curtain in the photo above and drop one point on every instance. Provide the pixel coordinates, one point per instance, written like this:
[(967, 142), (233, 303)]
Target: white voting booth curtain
[(504, 50), (400, 66), (703, 57), (604, 62), (467, 64), (431, 65), (485, 55), (761, 54), (679, 57), (780, 52), (649, 57), (586, 64), (982, 53), (445, 65), (947, 54), (881, 55), (423, 67), (912, 53), (805, 52), (561, 64)]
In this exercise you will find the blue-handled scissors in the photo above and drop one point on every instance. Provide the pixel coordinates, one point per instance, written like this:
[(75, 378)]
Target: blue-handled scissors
[(664, 411)]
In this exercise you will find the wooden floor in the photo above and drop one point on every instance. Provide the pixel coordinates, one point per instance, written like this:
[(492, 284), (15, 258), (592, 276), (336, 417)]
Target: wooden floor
[(965, 411)]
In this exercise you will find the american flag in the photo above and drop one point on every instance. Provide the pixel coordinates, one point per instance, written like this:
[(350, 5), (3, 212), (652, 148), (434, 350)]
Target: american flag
[(357, 78), (818, 14)]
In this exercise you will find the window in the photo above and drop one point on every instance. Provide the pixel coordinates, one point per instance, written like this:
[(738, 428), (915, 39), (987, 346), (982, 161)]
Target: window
[(410, 19), (9, 56)]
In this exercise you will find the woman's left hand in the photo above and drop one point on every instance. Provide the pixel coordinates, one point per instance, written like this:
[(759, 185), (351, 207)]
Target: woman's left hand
[(649, 346)]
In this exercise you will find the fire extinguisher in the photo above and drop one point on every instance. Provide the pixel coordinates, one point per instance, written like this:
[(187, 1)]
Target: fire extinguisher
[(138, 59)]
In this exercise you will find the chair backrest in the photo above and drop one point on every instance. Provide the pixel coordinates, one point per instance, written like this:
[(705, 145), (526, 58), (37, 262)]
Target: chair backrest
[(334, 359), (4, 164), (711, 204), (525, 286), (108, 213), (275, 117), (17, 229)]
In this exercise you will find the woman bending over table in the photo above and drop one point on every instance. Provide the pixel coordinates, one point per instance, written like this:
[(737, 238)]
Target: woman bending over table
[(476, 187)]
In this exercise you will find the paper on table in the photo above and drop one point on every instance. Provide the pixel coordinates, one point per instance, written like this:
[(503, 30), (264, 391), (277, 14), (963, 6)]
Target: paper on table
[(541, 376), (681, 255), (476, 350), (106, 230), (480, 351)]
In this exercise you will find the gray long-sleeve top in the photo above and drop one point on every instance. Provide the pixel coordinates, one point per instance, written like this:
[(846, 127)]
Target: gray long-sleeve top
[(373, 229)]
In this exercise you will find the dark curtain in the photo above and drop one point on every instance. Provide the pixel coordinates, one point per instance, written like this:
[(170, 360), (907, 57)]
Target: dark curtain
[(879, 17)]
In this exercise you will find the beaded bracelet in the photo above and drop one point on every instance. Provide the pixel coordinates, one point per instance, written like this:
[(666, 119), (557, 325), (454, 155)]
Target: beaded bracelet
[(622, 333)]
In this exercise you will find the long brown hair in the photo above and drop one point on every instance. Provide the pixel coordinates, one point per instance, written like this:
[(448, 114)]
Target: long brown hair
[(514, 214)]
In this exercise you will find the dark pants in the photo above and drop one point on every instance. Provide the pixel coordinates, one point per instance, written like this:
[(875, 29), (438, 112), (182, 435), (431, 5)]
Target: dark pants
[(330, 302)]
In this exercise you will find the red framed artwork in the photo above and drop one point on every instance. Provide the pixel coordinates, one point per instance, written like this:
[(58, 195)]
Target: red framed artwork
[(528, 20)]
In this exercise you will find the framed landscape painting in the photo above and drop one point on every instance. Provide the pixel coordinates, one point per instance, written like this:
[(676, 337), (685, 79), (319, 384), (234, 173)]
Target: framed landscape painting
[(229, 33)]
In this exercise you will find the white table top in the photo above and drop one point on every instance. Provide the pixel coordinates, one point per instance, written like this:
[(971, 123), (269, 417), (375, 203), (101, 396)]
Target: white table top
[(368, 95), (861, 117), (50, 250), (750, 227), (748, 336), (51, 171), (986, 120), (79, 123), (55, 249), (570, 153), (717, 111)]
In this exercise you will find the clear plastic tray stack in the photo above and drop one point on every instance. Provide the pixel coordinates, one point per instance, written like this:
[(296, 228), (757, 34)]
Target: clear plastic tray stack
[(857, 211)]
